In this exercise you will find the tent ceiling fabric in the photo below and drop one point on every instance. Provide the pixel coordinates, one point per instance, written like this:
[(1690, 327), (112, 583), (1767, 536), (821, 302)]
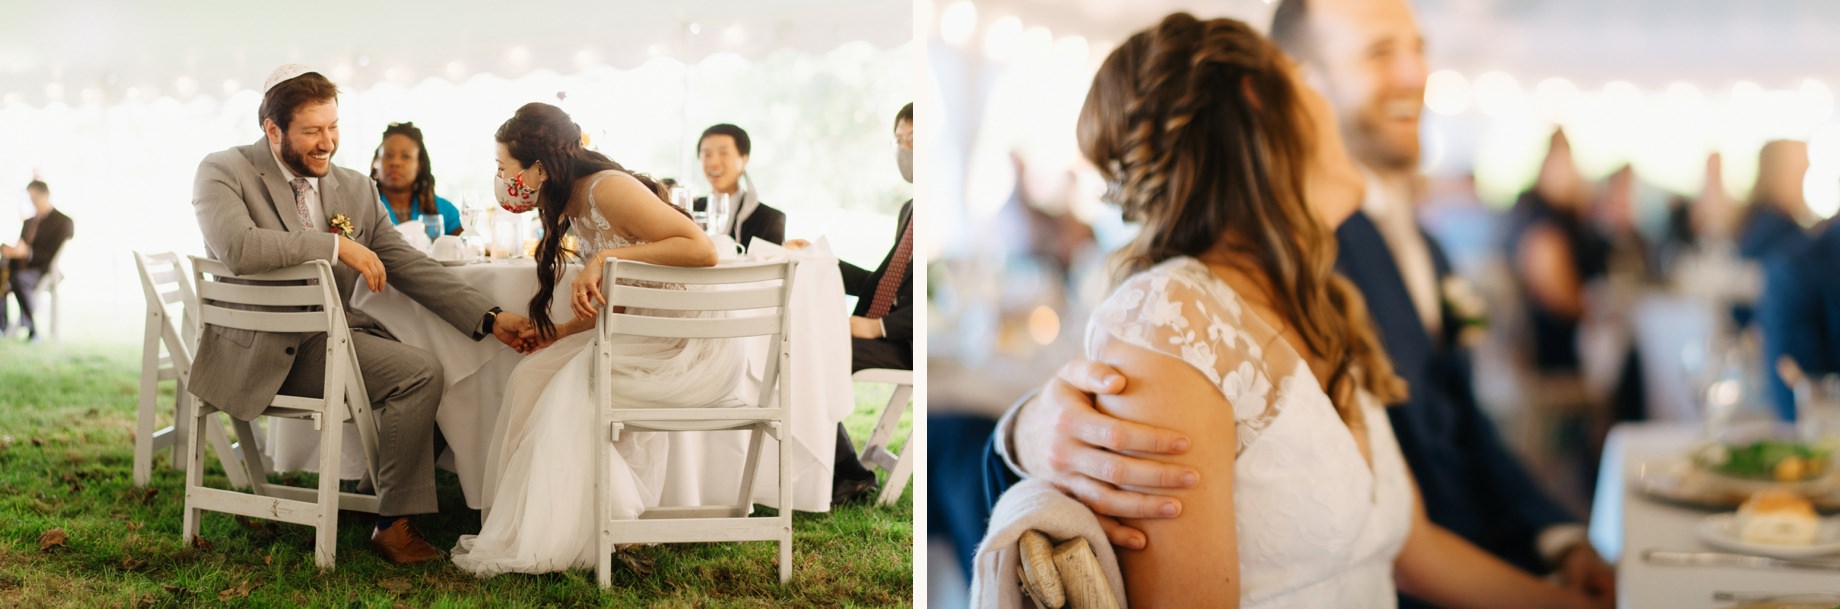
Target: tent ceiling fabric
[(124, 43), (1648, 42)]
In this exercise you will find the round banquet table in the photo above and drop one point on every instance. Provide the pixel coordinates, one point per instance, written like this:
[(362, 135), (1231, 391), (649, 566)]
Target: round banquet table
[(703, 468)]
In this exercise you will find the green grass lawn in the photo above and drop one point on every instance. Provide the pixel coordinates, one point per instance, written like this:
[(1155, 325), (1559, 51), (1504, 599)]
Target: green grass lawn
[(66, 423)]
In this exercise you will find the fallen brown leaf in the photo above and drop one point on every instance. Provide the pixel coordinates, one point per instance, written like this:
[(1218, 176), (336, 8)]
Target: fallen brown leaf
[(149, 494), (135, 526), (6, 442), (51, 539), (237, 591), (639, 565), (37, 442), (396, 585), (201, 543), (268, 559), (130, 563)]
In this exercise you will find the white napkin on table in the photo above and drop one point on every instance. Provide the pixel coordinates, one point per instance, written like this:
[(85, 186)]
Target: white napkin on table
[(416, 234)]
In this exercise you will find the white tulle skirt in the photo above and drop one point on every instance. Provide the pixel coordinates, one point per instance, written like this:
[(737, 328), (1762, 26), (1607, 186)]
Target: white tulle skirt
[(539, 483)]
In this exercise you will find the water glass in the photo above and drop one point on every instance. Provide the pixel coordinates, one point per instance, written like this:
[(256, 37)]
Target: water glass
[(1817, 408), (436, 225)]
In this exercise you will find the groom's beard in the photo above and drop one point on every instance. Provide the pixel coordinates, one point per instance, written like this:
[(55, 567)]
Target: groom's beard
[(297, 161)]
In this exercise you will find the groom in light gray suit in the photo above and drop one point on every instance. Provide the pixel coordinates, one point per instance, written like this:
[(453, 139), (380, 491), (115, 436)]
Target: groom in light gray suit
[(272, 204)]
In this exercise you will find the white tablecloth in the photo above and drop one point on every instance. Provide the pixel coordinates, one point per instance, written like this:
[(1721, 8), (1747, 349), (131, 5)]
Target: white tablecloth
[(1624, 524), (703, 467)]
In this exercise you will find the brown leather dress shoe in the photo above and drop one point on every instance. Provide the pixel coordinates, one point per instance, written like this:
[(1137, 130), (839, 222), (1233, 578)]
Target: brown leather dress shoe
[(403, 545)]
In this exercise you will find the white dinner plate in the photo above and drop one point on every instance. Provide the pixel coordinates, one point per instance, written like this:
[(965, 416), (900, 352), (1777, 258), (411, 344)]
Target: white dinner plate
[(1721, 531)]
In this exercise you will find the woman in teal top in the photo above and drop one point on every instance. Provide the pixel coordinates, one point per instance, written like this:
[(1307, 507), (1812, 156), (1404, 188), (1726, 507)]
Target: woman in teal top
[(405, 182)]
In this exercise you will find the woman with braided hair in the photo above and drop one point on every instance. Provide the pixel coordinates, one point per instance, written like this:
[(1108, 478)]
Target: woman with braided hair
[(539, 482), (1233, 327)]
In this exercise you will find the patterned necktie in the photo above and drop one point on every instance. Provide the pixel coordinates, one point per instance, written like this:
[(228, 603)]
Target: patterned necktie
[(897, 270), (300, 203)]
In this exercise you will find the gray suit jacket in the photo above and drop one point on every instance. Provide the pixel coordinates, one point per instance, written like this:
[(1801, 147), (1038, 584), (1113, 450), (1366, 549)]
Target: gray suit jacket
[(246, 211)]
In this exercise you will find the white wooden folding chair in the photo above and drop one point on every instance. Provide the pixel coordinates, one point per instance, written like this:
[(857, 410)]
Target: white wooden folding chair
[(752, 304), (164, 283), (282, 301), (875, 453)]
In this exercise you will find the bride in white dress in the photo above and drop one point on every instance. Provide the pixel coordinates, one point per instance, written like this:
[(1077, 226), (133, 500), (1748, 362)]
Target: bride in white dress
[(539, 486), (1233, 327)]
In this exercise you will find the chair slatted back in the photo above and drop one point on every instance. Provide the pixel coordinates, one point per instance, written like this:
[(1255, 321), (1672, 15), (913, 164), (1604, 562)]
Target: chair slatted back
[(747, 300)]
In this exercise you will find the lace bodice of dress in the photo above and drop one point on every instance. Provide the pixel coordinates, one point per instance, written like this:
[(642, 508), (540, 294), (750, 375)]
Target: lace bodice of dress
[(594, 231), (1317, 526)]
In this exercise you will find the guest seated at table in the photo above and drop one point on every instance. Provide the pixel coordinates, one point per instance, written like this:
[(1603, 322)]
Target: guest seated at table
[(281, 202), (405, 182), (539, 478), (724, 150), (882, 327), (29, 260)]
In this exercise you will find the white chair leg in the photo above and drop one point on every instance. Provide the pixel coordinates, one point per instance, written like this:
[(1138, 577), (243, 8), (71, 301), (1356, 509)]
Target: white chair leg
[(889, 421), (604, 543), (744, 500), (785, 508), (143, 428), (897, 478), (326, 533), (226, 454), (183, 423), (252, 457), (194, 478)]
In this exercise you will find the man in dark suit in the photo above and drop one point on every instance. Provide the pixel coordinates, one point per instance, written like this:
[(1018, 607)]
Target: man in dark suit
[(1469, 482), (724, 151), (882, 327), (29, 260), (1799, 312)]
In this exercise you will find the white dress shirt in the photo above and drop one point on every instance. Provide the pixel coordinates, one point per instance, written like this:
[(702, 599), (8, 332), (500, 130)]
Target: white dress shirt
[(1396, 216), (316, 213)]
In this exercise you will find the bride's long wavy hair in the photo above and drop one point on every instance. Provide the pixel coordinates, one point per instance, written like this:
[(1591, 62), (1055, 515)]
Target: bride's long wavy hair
[(1200, 131), (542, 133)]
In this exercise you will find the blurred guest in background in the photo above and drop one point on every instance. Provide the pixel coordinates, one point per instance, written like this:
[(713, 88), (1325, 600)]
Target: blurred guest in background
[(1799, 312), (1035, 223), (405, 182), (882, 327), (29, 259), (1367, 58), (724, 150), (1777, 210), (1555, 253)]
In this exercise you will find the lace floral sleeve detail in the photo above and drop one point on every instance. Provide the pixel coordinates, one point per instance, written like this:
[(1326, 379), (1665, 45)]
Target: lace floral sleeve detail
[(1186, 314)]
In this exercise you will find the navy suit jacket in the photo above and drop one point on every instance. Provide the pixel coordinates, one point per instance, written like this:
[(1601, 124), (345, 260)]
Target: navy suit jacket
[(1799, 311), (1470, 482)]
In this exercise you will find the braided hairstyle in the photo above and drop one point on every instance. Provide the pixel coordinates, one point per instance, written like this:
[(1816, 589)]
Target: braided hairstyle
[(423, 187), (1199, 130), (542, 133)]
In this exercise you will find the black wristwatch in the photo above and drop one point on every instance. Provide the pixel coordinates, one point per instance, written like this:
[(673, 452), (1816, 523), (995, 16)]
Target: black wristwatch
[(486, 327)]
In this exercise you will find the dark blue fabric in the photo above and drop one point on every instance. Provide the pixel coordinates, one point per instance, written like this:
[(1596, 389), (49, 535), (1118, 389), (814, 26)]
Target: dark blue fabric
[(1554, 335), (1766, 229), (1469, 480), (956, 507), (1799, 312)]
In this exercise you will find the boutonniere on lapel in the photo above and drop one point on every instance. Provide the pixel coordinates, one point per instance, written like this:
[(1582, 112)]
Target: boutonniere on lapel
[(1468, 312), (341, 225)]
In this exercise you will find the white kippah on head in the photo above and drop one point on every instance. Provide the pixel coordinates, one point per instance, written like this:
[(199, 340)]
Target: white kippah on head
[(283, 74)]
